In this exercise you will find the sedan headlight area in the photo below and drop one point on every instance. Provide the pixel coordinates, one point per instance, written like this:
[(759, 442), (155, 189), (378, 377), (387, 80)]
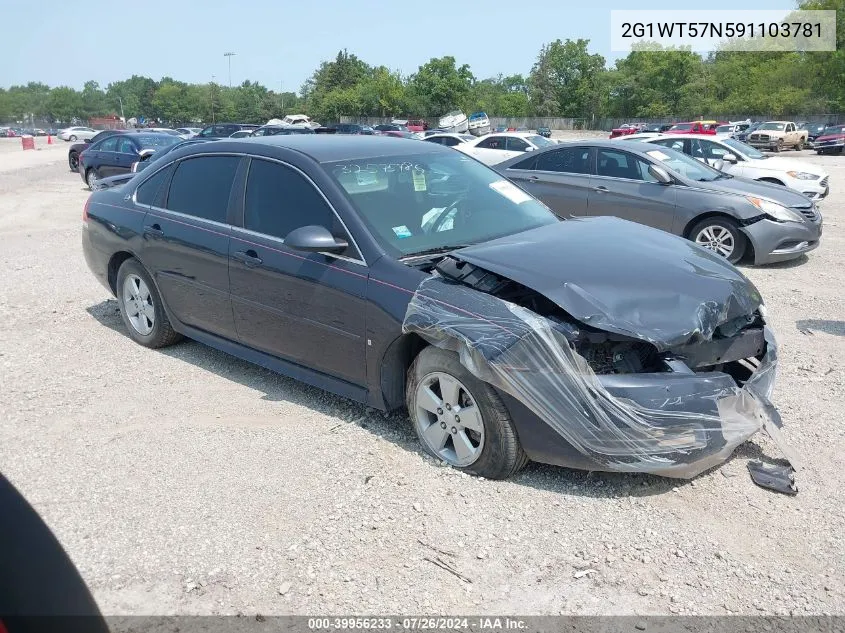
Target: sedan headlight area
[(775, 211), (802, 175)]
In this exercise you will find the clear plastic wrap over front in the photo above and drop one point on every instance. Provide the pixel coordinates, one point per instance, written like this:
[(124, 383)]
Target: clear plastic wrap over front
[(689, 425)]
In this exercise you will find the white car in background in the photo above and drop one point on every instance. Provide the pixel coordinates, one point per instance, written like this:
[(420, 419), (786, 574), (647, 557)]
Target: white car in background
[(726, 131), (449, 139), (188, 132), (494, 148), (739, 159), (77, 133)]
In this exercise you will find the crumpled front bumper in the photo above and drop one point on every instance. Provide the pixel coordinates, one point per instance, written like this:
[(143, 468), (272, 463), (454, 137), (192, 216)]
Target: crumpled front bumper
[(677, 423)]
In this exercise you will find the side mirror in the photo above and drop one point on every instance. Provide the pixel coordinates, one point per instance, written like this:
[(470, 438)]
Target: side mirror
[(134, 168), (529, 149), (719, 164), (314, 239), (145, 154), (730, 158), (660, 175)]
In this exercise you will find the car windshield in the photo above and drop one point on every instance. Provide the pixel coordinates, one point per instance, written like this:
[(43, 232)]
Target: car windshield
[(834, 129), (684, 165), (540, 141), (155, 141), (427, 202), (681, 127), (772, 126), (742, 148)]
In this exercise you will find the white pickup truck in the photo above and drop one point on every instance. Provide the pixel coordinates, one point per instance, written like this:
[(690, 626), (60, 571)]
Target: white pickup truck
[(778, 135)]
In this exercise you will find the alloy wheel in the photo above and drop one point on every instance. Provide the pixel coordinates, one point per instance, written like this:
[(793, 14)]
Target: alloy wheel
[(138, 303), (448, 419), (717, 239)]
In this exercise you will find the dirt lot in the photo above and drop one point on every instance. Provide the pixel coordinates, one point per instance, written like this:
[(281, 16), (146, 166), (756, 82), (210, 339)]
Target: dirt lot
[(185, 481)]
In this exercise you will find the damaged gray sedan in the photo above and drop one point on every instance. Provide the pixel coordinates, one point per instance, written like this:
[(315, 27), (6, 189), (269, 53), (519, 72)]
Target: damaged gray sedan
[(400, 273)]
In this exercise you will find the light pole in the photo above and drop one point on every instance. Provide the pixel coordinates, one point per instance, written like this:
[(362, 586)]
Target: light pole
[(229, 55), (282, 95), (212, 98), (121, 110)]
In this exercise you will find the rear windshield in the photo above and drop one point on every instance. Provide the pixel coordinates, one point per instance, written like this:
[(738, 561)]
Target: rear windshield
[(682, 126)]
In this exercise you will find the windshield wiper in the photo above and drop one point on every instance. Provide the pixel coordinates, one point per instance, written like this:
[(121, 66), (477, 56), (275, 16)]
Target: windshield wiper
[(437, 250)]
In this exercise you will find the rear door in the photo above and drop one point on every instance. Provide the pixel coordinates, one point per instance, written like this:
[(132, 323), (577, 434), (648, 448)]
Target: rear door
[(304, 307), (102, 157), (490, 150), (622, 187), (559, 177), (186, 242)]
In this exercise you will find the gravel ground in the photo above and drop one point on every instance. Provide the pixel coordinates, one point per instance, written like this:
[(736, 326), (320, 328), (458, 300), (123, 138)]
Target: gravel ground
[(184, 481)]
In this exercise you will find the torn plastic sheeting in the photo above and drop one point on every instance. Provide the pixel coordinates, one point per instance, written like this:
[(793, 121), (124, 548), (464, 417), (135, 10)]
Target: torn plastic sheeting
[(530, 358)]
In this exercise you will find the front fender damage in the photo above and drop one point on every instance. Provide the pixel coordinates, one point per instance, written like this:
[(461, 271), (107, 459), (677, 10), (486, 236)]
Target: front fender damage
[(665, 422)]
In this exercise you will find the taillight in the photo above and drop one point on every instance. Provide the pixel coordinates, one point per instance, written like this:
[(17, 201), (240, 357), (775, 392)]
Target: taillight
[(84, 216)]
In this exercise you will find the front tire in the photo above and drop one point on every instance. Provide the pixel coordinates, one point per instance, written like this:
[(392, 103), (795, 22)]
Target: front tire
[(72, 137), (461, 419), (799, 146), (778, 146), (722, 236), (141, 307)]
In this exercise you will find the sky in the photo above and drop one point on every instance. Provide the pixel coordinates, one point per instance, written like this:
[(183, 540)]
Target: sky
[(281, 43)]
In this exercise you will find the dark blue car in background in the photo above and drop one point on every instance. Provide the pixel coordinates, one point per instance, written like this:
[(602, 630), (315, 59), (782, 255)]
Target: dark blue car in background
[(115, 154)]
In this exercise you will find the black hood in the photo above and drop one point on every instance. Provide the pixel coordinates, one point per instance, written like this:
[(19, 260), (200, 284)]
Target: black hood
[(623, 277)]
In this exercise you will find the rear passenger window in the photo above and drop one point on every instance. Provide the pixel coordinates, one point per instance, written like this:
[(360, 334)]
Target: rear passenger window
[(572, 160), (148, 192), (201, 186), (280, 199)]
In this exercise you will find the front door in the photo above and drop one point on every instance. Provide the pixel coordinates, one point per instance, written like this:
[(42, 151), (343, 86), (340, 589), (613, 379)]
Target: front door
[(622, 187), (125, 155), (304, 307)]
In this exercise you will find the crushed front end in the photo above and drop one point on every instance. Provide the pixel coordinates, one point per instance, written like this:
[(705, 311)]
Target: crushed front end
[(672, 406)]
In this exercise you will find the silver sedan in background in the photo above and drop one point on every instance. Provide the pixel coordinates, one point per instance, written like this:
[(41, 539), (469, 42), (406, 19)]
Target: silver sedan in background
[(738, 218)]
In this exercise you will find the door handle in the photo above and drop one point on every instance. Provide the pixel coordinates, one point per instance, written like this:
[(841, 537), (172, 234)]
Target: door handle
[(250, 258), (153, 230), (601, 189), (533, 178)]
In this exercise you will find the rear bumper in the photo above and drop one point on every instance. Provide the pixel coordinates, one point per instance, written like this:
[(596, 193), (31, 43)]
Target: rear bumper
[(781, 241)]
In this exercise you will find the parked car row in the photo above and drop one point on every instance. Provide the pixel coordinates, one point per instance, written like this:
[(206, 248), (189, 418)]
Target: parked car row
[(425, 279)]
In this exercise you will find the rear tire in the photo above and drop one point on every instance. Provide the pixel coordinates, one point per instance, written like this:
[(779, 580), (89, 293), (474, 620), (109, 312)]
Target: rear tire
[(722, 236), (141, 307), (72, 137), (498, 453), (90, 177), (73, 161)]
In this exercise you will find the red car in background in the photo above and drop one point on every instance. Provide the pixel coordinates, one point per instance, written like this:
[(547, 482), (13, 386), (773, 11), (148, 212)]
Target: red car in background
[(694, 127), (831, 140), (627, 128)]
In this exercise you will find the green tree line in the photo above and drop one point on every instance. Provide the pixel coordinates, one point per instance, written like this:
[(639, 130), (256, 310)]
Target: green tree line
[(566, 80)]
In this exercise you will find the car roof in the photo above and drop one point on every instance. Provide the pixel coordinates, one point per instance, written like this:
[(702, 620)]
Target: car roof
[(330, 147)]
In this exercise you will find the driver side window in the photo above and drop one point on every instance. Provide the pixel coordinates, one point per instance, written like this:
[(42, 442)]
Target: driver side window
[(279, 199)]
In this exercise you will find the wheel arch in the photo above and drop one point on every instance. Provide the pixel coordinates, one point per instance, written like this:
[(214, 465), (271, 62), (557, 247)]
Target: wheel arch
[(749, 255), (772, 180), (114, 265), (394, 368)]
